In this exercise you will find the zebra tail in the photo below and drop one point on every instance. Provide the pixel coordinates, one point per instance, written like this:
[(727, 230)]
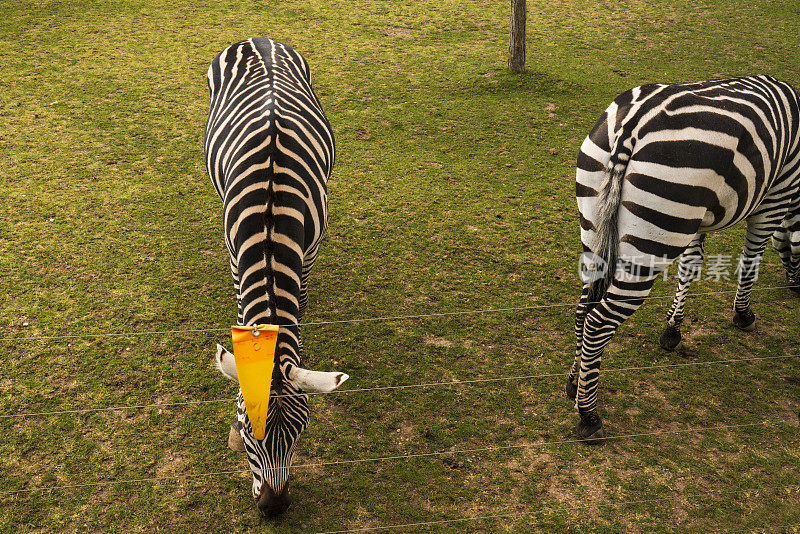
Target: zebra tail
[(606, 230)]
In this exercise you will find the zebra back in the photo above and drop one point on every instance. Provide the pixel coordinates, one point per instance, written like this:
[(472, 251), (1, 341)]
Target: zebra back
[(269, 152)]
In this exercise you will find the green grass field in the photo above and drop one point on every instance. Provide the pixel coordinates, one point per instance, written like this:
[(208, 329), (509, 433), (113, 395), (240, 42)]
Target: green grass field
[(453, 191)]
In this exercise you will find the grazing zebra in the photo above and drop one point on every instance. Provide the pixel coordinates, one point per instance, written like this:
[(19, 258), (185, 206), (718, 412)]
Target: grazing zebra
[(269, 151), (664, 165)]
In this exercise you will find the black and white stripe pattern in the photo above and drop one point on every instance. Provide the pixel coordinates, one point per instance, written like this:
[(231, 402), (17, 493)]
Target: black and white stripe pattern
[(787, 242), (269, 151), (664, 165)]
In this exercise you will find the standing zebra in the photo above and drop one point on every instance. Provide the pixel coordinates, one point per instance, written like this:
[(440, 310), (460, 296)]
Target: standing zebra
[(663, 166), (269, 151)]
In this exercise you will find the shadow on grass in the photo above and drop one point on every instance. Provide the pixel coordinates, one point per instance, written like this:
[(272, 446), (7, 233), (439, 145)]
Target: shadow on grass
[(530, 83)]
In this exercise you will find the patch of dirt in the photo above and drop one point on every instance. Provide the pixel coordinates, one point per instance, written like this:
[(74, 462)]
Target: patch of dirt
[(633, 411), (171, 465), (696, 331), (651, 391), (437, 341), (793, 380), (395, 31), (404, 435)]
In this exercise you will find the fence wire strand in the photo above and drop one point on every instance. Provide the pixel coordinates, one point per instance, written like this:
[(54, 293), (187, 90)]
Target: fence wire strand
[(518, 515), (376, 319), (405, 457), (396, 387), (763, 529)]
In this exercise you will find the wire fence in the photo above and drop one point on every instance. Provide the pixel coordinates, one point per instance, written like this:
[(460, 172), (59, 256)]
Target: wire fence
[(410, 456), (374, 319), (451, 383), (421, 455), (550, 510), (765, 528)]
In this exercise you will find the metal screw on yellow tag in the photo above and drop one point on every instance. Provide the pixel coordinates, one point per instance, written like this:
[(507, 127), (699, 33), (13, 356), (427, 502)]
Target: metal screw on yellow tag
[(254, 354)]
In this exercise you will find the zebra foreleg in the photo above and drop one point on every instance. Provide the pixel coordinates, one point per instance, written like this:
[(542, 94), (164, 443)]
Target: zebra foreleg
[(689, 267), (235, 441)]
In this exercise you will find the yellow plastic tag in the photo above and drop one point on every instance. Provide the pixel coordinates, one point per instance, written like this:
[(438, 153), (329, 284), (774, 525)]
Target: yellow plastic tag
[(254, 354)]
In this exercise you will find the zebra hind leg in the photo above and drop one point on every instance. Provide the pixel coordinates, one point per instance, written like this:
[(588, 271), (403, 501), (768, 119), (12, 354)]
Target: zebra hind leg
[(786, 240), (689, 267), (745, 320), (584, 307), (759, 230), (626, 293), (793, 281)]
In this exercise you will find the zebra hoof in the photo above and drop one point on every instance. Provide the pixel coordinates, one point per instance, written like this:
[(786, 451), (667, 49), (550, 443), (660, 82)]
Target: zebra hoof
[(794, 283), (590, 428), (571, 388), (235, 442), (670, 337), (745, 320)]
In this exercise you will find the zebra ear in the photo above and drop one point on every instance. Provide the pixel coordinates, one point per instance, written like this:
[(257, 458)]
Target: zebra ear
[(225, 363), (316, 381)]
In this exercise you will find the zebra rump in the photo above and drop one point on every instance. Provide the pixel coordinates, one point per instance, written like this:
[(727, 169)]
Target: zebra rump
[(637, 113)]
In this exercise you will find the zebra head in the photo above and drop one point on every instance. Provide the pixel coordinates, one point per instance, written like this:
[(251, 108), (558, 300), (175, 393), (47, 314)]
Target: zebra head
[(287, 416)]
